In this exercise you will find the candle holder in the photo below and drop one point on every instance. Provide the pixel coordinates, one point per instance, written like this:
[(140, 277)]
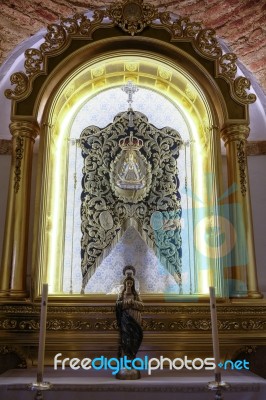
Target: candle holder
[(39, 387), (218, 386)]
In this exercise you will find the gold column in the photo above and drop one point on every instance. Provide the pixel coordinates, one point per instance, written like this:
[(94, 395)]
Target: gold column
[(14, 261), (5, 272), (243, 269)]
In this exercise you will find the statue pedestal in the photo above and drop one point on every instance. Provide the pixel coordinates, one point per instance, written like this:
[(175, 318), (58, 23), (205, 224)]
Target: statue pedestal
[(128, 374)]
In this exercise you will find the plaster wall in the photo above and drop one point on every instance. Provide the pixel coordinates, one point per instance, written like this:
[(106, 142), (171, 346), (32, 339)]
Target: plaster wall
[(257, 176)]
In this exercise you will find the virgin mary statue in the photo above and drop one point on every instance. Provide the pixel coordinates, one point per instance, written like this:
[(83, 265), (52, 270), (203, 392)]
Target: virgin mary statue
[(128, 315)]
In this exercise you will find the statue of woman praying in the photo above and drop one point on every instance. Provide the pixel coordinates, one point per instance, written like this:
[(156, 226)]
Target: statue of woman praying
[(128, 315)]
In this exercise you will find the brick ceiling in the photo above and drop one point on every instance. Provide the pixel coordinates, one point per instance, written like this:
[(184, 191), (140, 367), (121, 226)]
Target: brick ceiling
[(241, 24)]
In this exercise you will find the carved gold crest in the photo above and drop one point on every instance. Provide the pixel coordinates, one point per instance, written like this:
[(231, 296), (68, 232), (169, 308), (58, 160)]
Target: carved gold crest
[(132, 15), (130, 174)]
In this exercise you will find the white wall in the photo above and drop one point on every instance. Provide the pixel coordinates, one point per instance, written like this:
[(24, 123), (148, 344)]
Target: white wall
[(257, 177)]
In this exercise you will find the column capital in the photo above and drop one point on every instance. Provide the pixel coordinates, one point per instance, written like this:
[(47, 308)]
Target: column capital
[(235, 132), (26, 129)]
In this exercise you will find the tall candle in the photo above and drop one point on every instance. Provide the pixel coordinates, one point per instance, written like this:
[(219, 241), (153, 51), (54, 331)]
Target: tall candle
[(215, 339), (42, 335)]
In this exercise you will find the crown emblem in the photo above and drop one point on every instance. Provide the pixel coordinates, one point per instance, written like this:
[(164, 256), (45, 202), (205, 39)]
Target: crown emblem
[(130, 143)]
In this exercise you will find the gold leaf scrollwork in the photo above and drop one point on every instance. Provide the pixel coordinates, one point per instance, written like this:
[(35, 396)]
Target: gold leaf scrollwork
[(180, 27), (18, 158), (228, 325), (132, 16), (105, 325), (192, 29), (33, 61), (58, 35), (176, 27), (253, 324), (242, 160), (55, 38), (8, 324), (70, 24), (80, 24), (240, 85), (30, 325), (201, 324), (21, 81), (228, 65), (208, 44), (156, 318), (98, 16), (153, 325)]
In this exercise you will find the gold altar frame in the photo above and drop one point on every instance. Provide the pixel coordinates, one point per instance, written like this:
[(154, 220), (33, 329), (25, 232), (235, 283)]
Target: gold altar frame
[(59, 112), (167, 60)]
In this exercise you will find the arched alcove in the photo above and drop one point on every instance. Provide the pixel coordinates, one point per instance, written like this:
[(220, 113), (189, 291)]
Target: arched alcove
[(100, 111), (182, 90)]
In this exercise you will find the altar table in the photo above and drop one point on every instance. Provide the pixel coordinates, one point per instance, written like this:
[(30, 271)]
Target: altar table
[(102, 385)]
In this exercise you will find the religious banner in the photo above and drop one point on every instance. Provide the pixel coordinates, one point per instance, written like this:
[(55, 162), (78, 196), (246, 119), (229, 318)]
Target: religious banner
[(129, 172)]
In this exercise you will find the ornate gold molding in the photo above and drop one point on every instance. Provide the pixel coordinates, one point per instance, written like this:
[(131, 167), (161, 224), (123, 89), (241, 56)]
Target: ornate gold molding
[(207, 43), (149, 324), (240, 85), (25, 129), (234, 133), (132, 16), (228, 66), (170, 310), (242, 164), (167, 327), (33, 62), (155, 318), (22, 85), (21, 131), (19, 150)]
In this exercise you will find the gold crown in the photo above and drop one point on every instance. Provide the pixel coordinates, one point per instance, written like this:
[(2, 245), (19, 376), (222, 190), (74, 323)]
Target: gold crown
[(130, 143)]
